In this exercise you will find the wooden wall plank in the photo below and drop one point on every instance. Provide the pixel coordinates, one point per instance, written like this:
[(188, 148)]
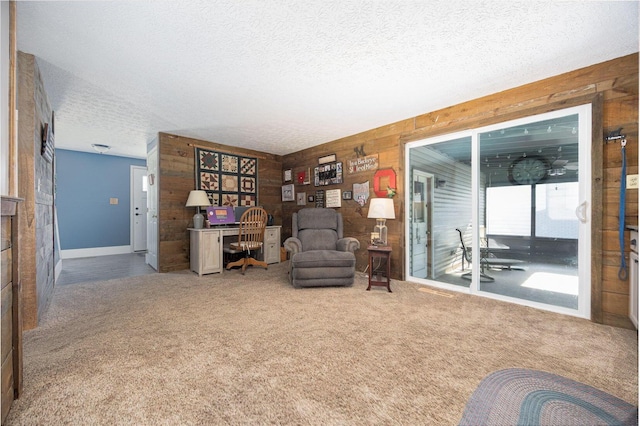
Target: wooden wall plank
[(7, 329), (35, 217), (7, 267), (7, 386), (5, 233), (610, 281), (615, 320), (615, 303), (26, 187)]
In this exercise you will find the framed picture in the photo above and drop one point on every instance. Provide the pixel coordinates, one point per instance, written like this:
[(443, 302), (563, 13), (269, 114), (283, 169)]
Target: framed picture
[(328, 174), (304, 177), (288, 192), (347, 195), (287, 175), (311, 198), (332, 198), (302, 198), (235, 184), (331, 158)]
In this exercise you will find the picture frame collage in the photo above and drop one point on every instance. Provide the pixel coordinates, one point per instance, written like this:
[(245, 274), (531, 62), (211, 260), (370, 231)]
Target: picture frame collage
[(328, 172)]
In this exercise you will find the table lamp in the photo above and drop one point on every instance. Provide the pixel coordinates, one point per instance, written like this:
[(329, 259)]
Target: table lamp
[(381, 209), (198, 199)]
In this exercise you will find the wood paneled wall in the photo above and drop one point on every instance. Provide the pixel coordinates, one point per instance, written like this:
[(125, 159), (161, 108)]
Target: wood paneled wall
[(613, 85), (177, 177), (11, 343)]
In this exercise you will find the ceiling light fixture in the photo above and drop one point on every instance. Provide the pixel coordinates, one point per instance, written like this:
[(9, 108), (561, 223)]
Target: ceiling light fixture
[(100, 147)]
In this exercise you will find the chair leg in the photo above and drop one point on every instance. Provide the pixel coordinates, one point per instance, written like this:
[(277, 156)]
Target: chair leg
[(246, 261), (238, 262), (255, 262)]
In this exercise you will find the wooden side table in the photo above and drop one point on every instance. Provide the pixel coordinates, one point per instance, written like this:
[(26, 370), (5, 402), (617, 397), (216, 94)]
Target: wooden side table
[(384, 255)]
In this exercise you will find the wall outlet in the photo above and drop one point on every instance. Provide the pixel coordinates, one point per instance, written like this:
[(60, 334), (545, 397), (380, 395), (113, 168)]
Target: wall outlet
[(113, 201), (632, 181)]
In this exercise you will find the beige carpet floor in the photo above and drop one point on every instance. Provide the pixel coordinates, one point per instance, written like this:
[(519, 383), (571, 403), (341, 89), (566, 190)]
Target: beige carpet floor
[(175, 349)]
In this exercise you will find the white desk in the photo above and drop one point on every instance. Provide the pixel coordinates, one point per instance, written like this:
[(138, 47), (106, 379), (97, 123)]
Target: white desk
[(207, 244)]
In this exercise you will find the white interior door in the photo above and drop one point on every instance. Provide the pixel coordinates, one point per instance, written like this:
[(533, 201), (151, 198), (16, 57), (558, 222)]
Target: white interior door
[(138, 208), (152, 209)]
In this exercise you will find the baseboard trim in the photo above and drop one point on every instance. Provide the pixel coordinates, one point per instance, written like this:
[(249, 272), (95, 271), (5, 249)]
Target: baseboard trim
[(94, 251)]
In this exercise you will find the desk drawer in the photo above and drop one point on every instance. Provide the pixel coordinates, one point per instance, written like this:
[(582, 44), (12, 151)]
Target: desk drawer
[(272, 245), (272, 253), (271, 236)]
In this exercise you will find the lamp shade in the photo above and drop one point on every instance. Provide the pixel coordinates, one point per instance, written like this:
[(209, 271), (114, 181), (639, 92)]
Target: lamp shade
[(381, 208), (198, 199)]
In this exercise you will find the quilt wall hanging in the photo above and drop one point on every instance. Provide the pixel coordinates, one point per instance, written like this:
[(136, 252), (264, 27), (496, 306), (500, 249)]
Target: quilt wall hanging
[(228, 179)]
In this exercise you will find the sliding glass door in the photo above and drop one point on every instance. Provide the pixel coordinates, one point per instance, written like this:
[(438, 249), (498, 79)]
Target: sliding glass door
[(506, 211)]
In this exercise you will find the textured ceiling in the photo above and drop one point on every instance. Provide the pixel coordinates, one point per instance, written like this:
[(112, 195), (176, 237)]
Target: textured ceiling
[(281, 76)]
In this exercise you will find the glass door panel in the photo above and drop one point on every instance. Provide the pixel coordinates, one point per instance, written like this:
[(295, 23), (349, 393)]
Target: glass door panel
[(530, 173), (440, 202)]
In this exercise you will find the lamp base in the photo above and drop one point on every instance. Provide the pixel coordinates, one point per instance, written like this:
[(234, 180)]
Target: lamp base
[(381, 230), (198, 221)]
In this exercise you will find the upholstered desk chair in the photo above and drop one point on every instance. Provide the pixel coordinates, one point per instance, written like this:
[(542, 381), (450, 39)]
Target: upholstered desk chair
[(250, 237)]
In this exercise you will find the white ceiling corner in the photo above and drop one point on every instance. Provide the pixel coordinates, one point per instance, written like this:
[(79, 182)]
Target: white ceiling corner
[(281, 76)]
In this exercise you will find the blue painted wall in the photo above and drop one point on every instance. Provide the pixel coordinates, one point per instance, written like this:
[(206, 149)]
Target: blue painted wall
[(84, 184)]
